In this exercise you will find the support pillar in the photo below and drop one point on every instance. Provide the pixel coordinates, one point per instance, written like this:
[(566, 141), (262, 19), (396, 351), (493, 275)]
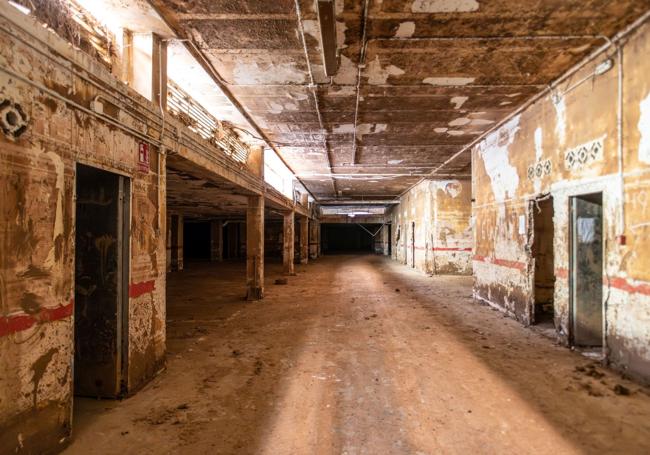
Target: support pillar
[(216, 241), (176, 233), (288, 234), (255, 248), (313, 239), (304, 240), (385, 240), (159, 72)]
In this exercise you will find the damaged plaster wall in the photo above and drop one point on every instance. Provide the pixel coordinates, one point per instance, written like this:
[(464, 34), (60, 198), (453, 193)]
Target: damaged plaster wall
[(441, 211), (563, 145), (37, 228)]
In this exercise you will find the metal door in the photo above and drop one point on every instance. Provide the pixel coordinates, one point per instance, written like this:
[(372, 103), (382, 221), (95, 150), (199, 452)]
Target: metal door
[(586, 270), (101, 282)]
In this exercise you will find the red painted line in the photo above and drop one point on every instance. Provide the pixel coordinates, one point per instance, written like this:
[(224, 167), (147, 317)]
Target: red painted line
[(624, 285), (502, 262), (421, 248), (22, 321), (138, 289)]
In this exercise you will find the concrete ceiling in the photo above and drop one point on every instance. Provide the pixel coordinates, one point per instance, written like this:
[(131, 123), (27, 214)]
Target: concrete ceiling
[(435, 76)]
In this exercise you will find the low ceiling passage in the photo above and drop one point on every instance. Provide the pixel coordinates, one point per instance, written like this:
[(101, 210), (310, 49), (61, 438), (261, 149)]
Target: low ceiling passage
[(417, 80)]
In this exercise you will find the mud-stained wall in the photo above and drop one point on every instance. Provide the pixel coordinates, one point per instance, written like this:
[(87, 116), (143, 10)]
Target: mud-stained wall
[(38, 72), (431, 227), (567, 144)]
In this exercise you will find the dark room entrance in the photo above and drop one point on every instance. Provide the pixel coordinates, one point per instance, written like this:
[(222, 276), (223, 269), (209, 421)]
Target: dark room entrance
[(542, 251), (347, 238), (101, 283)]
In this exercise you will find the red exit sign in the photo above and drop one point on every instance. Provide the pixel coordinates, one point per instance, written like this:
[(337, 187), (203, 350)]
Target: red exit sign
[(143, 157)]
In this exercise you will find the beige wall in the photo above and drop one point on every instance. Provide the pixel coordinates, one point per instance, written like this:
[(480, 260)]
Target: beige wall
[(441, 211), (545, 134), (37, 219)]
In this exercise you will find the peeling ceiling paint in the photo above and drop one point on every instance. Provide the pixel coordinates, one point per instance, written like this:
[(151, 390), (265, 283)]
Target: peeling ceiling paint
[(414, 88), (444, 6)]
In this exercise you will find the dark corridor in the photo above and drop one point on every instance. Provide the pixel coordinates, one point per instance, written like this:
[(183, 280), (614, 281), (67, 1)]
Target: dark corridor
[(196, 241), (348, 238)]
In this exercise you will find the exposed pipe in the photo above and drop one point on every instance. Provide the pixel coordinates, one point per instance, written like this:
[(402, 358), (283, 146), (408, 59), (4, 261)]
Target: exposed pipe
[(364, 46), (222, 84), (360, 66), (610, 41), (619, 121), (312, 85)]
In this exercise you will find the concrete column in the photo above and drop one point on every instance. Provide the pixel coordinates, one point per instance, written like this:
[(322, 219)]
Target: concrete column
[(127, 57), (313, 239), (255, 161), (255, 248), (216, 241), (159, 71), (385, 240), (288, 234), (304, 240), (176, 243), (320, 251)]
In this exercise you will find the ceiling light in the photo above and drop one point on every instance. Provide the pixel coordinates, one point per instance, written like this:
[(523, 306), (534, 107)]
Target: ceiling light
[(327, 23)]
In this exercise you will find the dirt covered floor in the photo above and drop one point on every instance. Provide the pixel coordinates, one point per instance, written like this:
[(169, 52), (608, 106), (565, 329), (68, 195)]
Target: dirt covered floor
[(360, 355)]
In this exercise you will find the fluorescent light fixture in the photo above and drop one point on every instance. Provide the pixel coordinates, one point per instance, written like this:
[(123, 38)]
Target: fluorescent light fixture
[(22, 8), (327, 24)]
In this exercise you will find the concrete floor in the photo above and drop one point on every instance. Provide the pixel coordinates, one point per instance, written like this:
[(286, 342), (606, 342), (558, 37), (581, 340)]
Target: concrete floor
[(360, 355)]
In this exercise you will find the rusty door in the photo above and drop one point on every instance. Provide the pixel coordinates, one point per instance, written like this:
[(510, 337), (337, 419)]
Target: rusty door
[(586, 270), (101, 282)]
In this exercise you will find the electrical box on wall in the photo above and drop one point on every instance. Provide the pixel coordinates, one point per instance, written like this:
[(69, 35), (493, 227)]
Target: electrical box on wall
[(143, 157)]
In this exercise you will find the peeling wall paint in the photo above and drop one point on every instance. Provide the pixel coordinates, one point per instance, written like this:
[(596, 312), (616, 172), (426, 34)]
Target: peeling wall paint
[(644, 130), (576, 136), (441, 211)]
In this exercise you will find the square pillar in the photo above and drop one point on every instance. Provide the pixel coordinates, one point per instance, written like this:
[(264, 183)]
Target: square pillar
[(176, 234), (288, 234), (313, 239), (304, 240), (384, 239), (159, 71), (216, 241), (255, 248)]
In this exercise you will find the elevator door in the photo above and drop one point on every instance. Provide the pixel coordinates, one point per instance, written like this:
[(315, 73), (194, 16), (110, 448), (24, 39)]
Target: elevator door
[(586, 274)]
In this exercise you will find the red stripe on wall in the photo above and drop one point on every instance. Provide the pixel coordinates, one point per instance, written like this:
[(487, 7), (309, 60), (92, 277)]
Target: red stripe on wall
[(138, 289), (421, 248), (562, 273), (502, 262), (616, 282), (22, 321)]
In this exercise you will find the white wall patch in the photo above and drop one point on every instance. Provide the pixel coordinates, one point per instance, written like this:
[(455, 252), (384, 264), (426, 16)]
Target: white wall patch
[(644, 130), (560, 120), (494, 151)]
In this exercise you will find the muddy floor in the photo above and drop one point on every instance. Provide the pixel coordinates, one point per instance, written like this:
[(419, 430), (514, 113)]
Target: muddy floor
[(360, 355)]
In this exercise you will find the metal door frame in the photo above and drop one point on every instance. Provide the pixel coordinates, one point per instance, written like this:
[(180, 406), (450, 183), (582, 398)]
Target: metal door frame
[(571, 271)]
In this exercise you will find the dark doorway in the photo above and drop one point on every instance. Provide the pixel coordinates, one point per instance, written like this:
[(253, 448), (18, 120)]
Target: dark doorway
[(196, 241), (231, 240), (348, 238), (586, 270), (101, 283), (542, 251)]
